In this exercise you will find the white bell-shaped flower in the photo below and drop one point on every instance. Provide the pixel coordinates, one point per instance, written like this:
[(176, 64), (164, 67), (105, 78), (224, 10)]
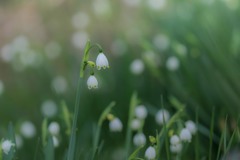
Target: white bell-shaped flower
[(6, 146), (174, 140), (162, 116), (137, 67), (92, 82), (135, 124), (54, 128), (115, 125), (102, 61), (139, 139), (150, 153), (185, 135), (191, 126), (176, 148), (141, 112), (28, 129)]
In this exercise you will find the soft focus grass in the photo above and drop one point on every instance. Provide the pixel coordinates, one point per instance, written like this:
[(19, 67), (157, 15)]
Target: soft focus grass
[(208, 75)]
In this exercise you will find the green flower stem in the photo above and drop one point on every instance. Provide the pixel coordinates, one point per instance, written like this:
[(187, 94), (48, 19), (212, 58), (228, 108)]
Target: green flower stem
[(71, 149), (84, 63)]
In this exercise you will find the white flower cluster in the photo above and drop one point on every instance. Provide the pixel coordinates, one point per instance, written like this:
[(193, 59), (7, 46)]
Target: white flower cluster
[(137, 123), (20, 54), (101, 62), (184, 136)]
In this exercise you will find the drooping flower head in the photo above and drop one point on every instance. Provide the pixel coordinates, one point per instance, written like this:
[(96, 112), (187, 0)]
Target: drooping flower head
[(92, 82), (150, 153), (162, 116), (185, 135), (139, 139), (54, 128), (115, 125), (102, 61), (191, 126), (141, 112)]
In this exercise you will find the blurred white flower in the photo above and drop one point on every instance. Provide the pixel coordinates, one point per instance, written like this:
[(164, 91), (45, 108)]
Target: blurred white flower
[(31, 58), (6, 53), (1, 87), (27, 129), (79, 39), (137, 66), (176, 148), (185, 135), (141, 112), (162, 116), (80, 20), (139, 139), (115, 125), (19, 141), (132, 3), (49, 108), (54, 128), (55, 141), (102, 61), (118, 47), (191, 126), (172, 63), (174, 140), (101, 7), (52, 50), (150, 153), (6, 146), (60, 84), (20, 44), (161, 42), (135, 124), (156, 4), (92, 82)]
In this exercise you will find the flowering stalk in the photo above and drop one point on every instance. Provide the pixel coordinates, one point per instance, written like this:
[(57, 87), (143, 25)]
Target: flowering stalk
[(84, 64)]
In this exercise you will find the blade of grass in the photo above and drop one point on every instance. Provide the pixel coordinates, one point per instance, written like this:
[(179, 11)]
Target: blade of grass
[(133, 104), (99, 126), (38, 154), (231, 141), (220, 146), (135, 153), (197, 139), (49, 149), (211, 134), (71, 149), (11, 137), (165, 132)]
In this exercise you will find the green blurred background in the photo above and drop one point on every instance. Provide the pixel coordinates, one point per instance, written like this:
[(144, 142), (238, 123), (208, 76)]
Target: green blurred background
[(186, 49)]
